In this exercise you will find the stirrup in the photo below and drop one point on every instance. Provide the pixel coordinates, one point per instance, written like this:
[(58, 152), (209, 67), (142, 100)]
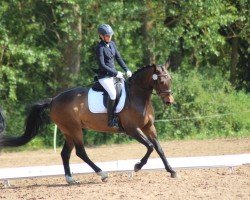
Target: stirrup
[(113, 123)]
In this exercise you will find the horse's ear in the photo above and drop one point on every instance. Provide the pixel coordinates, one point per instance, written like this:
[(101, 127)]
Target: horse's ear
[(167, 64)]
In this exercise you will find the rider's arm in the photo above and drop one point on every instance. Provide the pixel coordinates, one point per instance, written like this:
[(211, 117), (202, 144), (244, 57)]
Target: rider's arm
[(119, 59)]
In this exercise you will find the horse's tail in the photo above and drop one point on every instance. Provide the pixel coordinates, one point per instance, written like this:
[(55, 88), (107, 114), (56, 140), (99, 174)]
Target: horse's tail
[(2, 122), (36, 119)]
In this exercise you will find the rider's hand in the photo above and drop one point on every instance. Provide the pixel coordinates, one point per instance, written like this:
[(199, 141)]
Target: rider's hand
[(129, 73), (119, 75)]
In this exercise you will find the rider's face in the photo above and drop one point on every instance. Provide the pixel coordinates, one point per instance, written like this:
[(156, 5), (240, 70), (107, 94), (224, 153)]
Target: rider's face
[(106, 38)]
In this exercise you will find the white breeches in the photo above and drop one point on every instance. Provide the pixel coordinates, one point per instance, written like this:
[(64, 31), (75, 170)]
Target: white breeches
[(108, 84)]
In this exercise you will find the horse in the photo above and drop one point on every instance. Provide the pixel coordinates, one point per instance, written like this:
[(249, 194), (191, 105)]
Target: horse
[(69, 111), (2, 121)]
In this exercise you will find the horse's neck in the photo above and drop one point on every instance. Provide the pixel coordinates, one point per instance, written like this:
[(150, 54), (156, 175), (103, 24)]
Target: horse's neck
[(143, 81), (140, 100), (142, 87)]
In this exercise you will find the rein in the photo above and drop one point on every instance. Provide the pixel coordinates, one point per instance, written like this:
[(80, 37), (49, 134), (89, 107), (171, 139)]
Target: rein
[(155, 84)]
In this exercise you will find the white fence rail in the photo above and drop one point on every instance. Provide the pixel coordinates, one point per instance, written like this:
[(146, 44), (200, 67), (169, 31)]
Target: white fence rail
[(126, 165)]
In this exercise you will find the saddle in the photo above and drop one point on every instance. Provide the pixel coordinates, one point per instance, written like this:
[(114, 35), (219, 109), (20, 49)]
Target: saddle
[(118, 87)]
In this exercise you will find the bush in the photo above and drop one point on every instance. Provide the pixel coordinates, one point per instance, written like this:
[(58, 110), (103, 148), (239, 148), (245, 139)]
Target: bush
[(206, 106)]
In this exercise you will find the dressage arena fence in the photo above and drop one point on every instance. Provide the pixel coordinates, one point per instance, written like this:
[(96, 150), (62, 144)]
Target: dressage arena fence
[(228, 161)]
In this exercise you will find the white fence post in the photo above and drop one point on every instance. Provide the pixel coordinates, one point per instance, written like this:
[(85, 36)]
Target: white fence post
[(55, 133)]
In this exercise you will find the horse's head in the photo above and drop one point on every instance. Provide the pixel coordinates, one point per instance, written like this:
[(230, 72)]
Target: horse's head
[(154, 77), (162, 84)]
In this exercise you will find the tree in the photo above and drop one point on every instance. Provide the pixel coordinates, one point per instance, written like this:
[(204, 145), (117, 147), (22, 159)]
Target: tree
[(23, 59), (237, 34), (147, 26)]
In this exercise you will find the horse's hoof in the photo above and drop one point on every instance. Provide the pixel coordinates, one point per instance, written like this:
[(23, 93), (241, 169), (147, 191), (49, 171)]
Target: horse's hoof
[(137, 167), (74, 182), (71, 181), (174, 175), (105, 179), (104, 176)]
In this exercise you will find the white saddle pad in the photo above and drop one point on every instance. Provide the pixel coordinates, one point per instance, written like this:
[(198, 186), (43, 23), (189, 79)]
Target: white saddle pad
[(95, 101)]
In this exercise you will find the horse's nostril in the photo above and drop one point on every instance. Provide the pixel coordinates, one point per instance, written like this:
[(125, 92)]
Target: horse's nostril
[(168, 103)]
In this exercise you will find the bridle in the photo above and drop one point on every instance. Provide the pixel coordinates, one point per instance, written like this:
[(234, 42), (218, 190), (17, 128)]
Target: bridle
[(155, 77)]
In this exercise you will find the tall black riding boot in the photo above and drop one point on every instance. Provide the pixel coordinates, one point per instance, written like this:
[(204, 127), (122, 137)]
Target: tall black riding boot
[(112, 122)]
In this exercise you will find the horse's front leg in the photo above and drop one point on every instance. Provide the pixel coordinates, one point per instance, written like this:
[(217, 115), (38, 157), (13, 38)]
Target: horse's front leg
[(163, 158), (140, 137), (151, 133)]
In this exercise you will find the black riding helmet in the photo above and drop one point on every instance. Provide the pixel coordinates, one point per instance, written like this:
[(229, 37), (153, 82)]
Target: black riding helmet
[(105, 29)]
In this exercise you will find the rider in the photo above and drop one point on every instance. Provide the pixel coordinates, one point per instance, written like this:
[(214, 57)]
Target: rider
[(106, 54)]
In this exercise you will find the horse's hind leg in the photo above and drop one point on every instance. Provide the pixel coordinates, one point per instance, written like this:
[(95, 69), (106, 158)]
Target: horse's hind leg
[(65, 154), (81, 153)]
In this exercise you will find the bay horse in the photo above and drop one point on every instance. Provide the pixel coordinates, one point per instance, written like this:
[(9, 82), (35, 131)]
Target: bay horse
[(69, 110)]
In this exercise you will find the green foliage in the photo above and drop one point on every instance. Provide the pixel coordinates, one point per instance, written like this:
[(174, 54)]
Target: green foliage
[(96, 138), (35, 34), (198, 25), (206, 106)]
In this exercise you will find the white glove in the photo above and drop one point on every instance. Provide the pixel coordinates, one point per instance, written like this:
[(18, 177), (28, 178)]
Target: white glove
[(119, 75), (129, 73)]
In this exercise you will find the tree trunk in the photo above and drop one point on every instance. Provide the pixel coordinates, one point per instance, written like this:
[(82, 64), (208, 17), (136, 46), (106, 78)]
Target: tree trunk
[(176, 57), (234, 60), (73, 44), (147, 25)]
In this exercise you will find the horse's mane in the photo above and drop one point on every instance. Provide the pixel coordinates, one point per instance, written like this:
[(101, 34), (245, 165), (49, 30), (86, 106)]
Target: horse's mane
[(142, 69)]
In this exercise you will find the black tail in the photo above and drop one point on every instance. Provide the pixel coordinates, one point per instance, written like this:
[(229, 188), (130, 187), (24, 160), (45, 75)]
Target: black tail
[(36, 119), (2, 122)]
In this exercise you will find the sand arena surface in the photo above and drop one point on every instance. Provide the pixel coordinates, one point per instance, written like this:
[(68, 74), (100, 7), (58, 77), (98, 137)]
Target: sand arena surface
[(216, 183)]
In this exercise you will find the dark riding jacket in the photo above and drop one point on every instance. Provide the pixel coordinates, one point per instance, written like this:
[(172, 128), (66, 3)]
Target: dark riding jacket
[(106, 56)]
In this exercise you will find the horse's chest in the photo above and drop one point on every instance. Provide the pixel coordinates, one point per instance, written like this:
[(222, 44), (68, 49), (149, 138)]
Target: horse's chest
[(143, 110)]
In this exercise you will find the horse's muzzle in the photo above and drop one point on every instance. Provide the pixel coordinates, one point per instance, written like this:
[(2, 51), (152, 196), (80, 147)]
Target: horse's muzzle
[(169, 99)]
